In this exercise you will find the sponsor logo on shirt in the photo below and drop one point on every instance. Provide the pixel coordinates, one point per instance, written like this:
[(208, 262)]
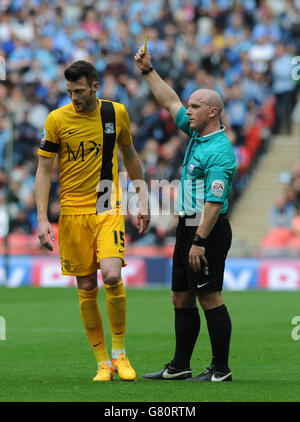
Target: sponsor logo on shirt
[(217, 188)]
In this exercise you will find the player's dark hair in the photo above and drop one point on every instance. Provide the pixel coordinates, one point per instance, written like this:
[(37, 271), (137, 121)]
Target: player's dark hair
[(79, 69)]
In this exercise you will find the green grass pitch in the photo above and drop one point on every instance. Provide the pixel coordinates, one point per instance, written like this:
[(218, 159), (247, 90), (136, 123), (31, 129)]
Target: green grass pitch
[(46, 356)]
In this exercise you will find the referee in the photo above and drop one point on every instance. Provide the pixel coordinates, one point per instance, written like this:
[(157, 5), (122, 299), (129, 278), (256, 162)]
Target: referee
[(203, 235)]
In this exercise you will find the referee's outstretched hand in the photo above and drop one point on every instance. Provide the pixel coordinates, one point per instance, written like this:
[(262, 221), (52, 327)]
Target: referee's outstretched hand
[(142, 60)]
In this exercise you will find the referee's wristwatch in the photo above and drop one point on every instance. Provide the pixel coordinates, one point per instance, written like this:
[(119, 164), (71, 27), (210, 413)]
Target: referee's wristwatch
[(146, 71), (199, 241)]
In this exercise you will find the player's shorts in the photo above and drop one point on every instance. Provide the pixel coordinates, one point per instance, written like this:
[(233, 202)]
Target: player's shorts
[(183, 276), (84, 240)]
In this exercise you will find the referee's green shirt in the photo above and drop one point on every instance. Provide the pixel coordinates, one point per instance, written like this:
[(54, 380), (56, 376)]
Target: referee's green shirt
[(208, 169)]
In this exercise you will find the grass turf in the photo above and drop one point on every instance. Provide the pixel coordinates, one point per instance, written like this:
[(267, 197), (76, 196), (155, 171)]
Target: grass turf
[(46, 356)]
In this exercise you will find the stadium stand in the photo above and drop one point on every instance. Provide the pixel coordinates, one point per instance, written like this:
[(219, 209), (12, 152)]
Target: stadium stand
[(243, 49), (283, 234)]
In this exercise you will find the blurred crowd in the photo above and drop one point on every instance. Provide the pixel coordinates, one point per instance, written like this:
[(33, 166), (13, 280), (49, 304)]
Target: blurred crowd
[(283, 232), (286, 210), (241, 48)]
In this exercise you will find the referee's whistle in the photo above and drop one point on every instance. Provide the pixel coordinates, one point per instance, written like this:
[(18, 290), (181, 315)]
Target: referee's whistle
[(206, 270)]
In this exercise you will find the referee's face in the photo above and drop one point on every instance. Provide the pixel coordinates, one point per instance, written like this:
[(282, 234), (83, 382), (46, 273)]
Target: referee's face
[(82, 95), (199, 111)]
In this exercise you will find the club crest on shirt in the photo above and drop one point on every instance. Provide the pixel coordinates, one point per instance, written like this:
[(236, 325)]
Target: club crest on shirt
[(66, 265), (43, 139), (217, 188), (109, 128)]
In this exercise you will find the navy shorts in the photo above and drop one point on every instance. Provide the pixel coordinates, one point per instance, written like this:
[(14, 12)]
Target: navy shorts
[(218, 244)]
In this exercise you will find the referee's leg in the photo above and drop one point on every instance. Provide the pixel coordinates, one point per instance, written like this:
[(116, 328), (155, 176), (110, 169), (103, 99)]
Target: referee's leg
[(219, 328), (187, 327)]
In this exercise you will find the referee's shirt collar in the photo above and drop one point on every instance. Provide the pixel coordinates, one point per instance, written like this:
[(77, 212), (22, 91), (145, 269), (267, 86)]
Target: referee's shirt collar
[(210, 135)]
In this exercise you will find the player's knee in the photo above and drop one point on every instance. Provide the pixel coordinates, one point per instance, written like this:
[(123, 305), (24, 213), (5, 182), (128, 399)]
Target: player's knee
[(111, 277), (88, 282)]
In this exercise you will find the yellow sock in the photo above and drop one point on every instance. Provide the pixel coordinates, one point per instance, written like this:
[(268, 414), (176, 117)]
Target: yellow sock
[(92, 322), (116, 311)]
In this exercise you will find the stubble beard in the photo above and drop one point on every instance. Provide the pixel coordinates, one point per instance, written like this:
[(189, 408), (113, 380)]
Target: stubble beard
[(88, 103)]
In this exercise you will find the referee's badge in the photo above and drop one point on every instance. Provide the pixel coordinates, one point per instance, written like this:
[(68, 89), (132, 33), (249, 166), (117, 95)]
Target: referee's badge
[(191, 168), (109, 128), (218, 188)]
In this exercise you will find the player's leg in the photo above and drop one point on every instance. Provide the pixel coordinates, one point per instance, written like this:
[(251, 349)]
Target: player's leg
[(93, 324), (78, 259), (116, 302), (110, 252)]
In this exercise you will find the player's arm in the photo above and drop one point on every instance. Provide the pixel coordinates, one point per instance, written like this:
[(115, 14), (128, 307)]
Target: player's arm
[(163, 93), (134, 169), (209, 216), (42, 190)]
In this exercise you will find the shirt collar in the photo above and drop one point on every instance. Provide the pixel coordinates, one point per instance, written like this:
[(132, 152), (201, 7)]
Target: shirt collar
[(209, 136)]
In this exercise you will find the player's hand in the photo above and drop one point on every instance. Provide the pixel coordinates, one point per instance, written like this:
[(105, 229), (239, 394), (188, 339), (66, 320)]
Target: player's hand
[(46, 235), (196, 255), (142, 221), (142, 60)]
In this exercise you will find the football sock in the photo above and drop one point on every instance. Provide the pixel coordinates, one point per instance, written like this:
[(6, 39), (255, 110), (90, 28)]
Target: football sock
[(219, 329), (116, 311), (115, 354), (108, 363), (92, 322), (187, 327)]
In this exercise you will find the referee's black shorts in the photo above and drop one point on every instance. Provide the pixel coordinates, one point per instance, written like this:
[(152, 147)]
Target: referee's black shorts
[(219, 240)]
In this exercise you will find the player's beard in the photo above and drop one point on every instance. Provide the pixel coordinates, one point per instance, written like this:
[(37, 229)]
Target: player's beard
[(88, 102)]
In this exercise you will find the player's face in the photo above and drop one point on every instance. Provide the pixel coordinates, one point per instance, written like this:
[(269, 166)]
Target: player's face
[(199, 112), (83, 95)]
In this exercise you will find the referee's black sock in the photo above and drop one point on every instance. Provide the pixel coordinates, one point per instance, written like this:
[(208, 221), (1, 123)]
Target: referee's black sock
[(219, 329), (187, 327)]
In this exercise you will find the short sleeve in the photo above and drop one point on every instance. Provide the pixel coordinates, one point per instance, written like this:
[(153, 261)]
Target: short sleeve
[(125, 137), (49, 143), (218, 180), (216, 186), (182, 121)]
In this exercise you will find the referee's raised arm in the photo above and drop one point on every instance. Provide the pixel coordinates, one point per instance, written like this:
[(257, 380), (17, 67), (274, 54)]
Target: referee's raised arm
[(163, 93)]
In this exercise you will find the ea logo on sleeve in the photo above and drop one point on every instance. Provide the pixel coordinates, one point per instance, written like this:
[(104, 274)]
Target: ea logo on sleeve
[(218, 188)]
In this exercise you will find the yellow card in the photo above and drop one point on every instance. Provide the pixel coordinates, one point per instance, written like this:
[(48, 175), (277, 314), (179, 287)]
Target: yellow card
[(145, 44)]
